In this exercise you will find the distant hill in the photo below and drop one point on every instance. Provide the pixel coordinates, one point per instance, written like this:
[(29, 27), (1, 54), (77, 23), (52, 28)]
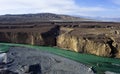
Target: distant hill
[(39, 17)]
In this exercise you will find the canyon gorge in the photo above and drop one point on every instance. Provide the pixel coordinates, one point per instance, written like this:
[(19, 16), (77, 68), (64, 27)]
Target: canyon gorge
[(97, 38)]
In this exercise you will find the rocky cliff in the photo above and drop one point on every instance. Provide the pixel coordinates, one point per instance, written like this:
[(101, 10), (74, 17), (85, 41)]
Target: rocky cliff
[(97, 44), (97, 41), (36, 36)]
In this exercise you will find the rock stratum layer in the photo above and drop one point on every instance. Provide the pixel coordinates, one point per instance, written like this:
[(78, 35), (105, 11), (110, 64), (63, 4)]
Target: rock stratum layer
[(36, 36), (83, 38), (99, 41)]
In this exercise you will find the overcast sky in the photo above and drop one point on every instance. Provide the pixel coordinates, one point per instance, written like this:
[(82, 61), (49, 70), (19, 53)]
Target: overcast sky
[(103, 8)]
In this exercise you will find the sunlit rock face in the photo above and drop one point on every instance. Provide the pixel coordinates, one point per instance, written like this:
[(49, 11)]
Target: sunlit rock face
[(90, 40), (100, 44), (83, 45), (118, 51)]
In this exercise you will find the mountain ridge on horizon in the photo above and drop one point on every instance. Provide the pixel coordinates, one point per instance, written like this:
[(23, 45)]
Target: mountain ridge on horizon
[(50, 17), (40, 17)]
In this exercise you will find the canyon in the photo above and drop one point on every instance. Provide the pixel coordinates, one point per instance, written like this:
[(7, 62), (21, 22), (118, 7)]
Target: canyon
[(70, 33), (97, 38)]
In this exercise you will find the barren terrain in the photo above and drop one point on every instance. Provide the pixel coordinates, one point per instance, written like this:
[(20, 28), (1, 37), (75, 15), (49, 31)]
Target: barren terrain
[(70, 33)]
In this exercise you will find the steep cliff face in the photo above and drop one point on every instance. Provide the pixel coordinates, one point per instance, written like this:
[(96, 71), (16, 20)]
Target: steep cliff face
[(102, 47), (117, 55), (22, 37), (33, 37), (80, 40)]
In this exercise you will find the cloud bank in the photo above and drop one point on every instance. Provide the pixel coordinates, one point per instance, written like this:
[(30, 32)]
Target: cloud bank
[(49, 6), (69, 7)]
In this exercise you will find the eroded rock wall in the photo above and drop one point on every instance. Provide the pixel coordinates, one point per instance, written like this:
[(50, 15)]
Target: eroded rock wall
[(81, 40), (34, 38), (104, 47), (22, 37)]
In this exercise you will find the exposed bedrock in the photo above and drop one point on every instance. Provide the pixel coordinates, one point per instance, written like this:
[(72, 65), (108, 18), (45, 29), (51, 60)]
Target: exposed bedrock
[(99, 45), (33, 37), (101, 42)]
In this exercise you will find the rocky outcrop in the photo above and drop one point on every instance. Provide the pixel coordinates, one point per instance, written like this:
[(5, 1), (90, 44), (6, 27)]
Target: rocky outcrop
[(101, 46), (33, 37), (21, 37), (30, 69), (117, 55), (99, 41)]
